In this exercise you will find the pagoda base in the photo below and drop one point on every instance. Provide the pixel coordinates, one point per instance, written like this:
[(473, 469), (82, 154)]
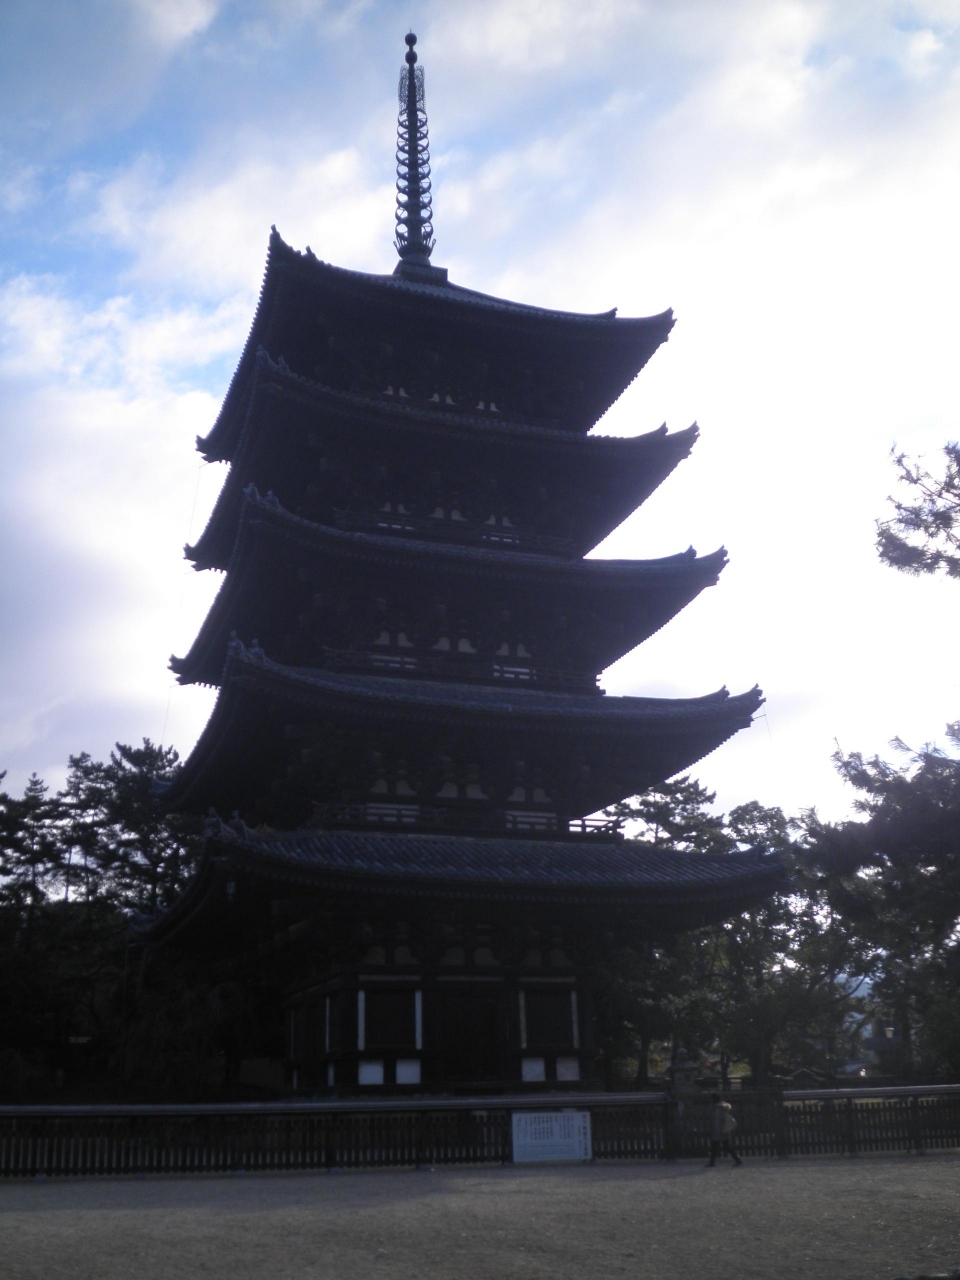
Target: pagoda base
[(406, 963), (462, 1023)]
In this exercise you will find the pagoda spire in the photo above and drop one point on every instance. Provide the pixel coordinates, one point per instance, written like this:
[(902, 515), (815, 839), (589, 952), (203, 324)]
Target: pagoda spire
[(414, 213)]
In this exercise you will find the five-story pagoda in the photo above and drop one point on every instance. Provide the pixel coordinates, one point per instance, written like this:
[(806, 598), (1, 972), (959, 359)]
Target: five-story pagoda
[(408, 731)]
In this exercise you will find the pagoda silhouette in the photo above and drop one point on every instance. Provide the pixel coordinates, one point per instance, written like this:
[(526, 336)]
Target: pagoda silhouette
[(409, 747)]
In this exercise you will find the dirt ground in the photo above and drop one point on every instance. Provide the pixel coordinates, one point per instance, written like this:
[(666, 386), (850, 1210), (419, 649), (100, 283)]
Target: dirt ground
[(871, 1218)]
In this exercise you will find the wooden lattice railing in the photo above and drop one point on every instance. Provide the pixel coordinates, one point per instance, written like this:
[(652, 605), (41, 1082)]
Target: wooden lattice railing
[(78, 1141)]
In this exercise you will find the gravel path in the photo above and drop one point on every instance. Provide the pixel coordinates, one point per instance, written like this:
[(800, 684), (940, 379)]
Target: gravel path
[(871, 1218)]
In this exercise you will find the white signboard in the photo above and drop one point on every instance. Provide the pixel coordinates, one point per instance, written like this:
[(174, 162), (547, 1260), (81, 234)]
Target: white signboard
[(551, 1135)]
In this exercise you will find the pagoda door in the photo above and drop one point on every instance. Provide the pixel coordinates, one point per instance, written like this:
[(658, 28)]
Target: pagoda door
[(472, 1035)]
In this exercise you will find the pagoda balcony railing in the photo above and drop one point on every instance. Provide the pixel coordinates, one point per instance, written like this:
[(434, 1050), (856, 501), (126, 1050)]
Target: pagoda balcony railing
[(460, 668), (434, 818), (431, 528)]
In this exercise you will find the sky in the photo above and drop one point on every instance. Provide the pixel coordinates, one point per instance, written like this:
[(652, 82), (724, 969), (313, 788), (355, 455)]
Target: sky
[(785, 174)]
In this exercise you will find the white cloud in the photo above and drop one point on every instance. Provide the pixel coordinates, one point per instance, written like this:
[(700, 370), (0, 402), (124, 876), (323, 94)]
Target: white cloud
[(206, 232), (530, 36), (923, 49), (46, 334), (171, 22)]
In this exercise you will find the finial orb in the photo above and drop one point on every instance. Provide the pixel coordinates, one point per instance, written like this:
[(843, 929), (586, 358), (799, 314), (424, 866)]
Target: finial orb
[(411, 40)]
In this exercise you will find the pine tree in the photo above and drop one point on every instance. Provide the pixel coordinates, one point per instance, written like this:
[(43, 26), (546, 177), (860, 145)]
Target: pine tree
[(923, 536)]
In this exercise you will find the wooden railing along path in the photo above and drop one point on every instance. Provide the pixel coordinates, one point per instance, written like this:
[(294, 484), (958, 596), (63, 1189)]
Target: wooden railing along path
[(56, 1141)]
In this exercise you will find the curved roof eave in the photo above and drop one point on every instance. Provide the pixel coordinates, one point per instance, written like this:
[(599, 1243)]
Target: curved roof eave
[(261, 518), (588, 875), (606, 325), (263, 513), (714, 717), (447, 293), (662, 448), (470, 700)]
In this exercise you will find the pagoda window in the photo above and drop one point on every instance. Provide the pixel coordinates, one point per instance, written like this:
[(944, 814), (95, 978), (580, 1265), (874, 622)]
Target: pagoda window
[(332, 1029), (403, 642), (403, 787), (454, 956), (464, 646), (370, 1072), (449, 789), (539, 795), (442, 645), (383, 638), (390, 1019), (549, 1017), (295, 1033), (519, 792), (473, 789)]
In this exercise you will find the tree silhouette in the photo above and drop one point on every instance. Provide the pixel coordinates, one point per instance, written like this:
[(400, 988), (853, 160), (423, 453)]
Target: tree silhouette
[(923, 536)]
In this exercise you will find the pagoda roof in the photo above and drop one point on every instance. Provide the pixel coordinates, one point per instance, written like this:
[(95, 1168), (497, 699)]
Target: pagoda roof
[(619, 879), (612, 350), (392, 413), (629, 468), (617, 603), (653, 738)]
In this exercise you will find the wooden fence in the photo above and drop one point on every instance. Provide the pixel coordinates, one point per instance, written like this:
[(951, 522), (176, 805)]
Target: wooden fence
[(72, 1141)]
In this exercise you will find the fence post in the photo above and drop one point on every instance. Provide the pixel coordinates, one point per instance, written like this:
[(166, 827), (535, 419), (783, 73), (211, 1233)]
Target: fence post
[(418, 1162), (850, 1125), (781, 1130), (916, 1131), (331, 1140), (669, 1128)]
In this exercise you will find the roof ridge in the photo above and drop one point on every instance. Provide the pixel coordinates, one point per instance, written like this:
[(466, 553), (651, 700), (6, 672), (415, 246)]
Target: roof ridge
[(461, 293)]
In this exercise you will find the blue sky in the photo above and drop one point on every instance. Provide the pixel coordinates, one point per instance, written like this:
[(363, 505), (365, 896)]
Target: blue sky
[(784, 174)]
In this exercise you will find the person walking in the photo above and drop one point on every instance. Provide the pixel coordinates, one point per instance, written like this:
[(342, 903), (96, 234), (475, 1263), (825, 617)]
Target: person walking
[(722, 1127)]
